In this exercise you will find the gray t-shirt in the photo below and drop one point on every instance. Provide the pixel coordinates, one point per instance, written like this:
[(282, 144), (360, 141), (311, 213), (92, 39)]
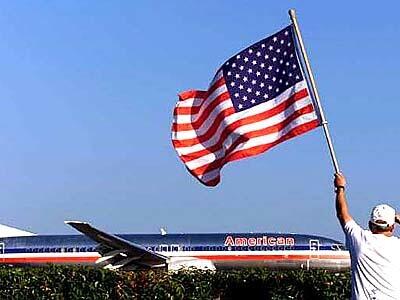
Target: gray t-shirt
[(375, 264)]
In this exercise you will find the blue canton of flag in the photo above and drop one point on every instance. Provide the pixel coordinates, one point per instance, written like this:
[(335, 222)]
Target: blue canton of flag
[(262, 71)]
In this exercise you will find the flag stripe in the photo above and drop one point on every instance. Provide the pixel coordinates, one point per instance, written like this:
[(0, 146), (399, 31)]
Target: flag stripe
[(247, 133), (263, 136), (212, 178), (223, 122)]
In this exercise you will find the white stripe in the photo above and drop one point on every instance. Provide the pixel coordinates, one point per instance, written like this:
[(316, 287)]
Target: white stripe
[(189, 119), (189, 134), (244, 129), (197, 101), (262, 140), (267, 139)]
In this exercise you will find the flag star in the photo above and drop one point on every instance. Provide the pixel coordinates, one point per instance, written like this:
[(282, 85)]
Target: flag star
[(285, 53), (277, 70), (240, 106), (270, 68), (274, 59), (249, 90), (236, 95), (262, 45), (253, 81), (275, 39), (290, 74), (287, 63), (266, 76), (291, 55), (241, 68), (249, 71), (274, 79), (250, 51), (280, 80), (281, 61), (262, 65), (297, 77), (254, 62), (270, 87), (265, 96), (237, 76), (287, 83), (244, 78), (288, 44), (253, 101), (229, 73), (294, 66), (233, 65), (282, 41), (283, 72), (244, 98), (278, 50), (261, 84), (257, 93), (240, 87), (232, 83), (286, 32), (246, 59), (227, 63), (258, 73), (238, 56), (266, 56), (258, 53), (277, 89), (270, 47)]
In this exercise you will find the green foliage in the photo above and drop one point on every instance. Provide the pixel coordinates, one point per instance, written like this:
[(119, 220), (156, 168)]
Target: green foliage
[(64, 282)]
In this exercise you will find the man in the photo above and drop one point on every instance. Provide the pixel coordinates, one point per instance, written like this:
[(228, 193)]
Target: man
[(374, 253)]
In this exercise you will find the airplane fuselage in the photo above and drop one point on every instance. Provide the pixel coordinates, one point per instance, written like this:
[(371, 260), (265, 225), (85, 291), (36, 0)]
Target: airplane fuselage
[(214, 250)]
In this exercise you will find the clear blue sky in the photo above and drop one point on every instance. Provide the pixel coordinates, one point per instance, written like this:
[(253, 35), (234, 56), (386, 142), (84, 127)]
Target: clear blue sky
[(87, 91)]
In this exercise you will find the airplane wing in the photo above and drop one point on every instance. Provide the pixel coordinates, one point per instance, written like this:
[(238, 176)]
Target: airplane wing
[(120, 254)]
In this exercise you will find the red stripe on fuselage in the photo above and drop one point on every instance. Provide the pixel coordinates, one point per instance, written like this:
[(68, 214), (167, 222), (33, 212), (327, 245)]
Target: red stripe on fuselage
[(270, 257), (49, 260)]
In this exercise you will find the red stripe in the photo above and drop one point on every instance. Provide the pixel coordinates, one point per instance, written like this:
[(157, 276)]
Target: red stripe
[(194, 94), (48, 260), (262, 148), (268, 130), (269, 257), (205, 114), (219, 162), (244, 121)]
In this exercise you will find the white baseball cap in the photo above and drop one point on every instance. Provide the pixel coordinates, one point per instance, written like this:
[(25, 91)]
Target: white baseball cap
[(383, 215)]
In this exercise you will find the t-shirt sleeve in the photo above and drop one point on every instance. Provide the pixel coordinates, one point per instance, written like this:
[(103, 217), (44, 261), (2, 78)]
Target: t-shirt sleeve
[(353, 233)]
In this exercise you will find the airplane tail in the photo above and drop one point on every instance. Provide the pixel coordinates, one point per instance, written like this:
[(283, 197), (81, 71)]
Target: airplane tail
[(7, 231)]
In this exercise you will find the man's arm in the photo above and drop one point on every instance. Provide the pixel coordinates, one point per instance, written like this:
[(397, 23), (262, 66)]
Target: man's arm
[(342, 210)]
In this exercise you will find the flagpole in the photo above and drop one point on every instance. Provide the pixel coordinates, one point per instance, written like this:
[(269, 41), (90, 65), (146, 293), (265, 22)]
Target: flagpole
[(324, 123)]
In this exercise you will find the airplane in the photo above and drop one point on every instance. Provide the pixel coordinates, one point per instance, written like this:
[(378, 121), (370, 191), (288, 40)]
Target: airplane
[(171, 251)]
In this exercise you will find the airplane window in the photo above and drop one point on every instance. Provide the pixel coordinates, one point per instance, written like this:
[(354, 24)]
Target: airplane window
[(83, 249), (40, 250)]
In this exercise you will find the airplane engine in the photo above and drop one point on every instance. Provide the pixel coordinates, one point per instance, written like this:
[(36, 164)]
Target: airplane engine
[(182, 263)]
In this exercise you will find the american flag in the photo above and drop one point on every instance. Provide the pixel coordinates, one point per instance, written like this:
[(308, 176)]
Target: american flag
[(257, 99)]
